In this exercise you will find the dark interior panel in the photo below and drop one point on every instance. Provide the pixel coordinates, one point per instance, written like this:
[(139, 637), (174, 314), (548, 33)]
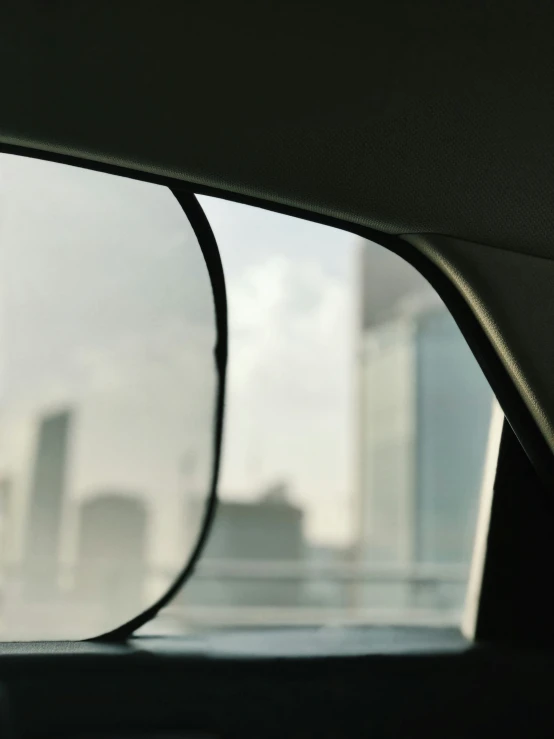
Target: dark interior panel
[(442, 687)]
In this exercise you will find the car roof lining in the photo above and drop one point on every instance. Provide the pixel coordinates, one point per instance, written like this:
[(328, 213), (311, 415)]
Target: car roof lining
[(405, 117)]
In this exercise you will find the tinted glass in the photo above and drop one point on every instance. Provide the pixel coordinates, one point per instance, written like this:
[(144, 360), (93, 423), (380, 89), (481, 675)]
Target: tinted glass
[(107, 389), (356, 431)]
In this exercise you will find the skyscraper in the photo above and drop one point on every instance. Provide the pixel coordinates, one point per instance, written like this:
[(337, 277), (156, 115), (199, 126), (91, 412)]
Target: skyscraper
[(424, 409), (48, 489), (111, 560)]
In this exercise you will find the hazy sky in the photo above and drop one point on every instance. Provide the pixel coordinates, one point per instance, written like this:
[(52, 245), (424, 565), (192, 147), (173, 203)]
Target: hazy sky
[(290, 285), (105, 306)]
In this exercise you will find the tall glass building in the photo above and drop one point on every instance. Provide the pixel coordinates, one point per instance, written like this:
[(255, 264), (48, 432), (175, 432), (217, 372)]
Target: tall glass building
[(424, 411)]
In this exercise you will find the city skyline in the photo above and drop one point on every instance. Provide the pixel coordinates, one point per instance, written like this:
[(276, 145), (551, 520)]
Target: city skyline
[(135, 357), (105, 307), (134, 436), (106, 310), (281, 272)]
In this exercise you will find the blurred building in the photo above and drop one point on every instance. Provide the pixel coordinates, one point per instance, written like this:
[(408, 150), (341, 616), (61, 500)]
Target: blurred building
[(424, 410), (111, 560), (45, 506), (269, 530)]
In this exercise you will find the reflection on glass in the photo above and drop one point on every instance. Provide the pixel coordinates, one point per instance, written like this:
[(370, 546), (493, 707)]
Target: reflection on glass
[(356, 430), (107, 389)]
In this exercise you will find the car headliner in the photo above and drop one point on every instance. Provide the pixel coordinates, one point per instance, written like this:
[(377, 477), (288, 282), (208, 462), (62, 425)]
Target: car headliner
[(432, 116)]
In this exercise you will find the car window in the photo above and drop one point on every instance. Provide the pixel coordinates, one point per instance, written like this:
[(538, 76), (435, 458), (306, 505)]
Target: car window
[(355, 431), (355, 437), (107, 396)]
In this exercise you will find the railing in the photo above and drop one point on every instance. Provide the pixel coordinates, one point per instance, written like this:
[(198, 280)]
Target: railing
[(179, 618), (351, 578), (285, 570), (294, 570), (277, 593)]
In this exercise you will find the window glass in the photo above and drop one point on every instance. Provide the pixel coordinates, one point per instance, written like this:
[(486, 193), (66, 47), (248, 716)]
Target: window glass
[(107, 397), (355, 437)]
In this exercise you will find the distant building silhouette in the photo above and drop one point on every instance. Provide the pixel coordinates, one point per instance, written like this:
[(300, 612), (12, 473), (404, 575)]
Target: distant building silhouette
[(111, 559), (270, 528), (424, 409), (48, 489)]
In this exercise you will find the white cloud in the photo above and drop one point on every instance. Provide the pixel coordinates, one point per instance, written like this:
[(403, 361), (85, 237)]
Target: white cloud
[(288, 415)]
